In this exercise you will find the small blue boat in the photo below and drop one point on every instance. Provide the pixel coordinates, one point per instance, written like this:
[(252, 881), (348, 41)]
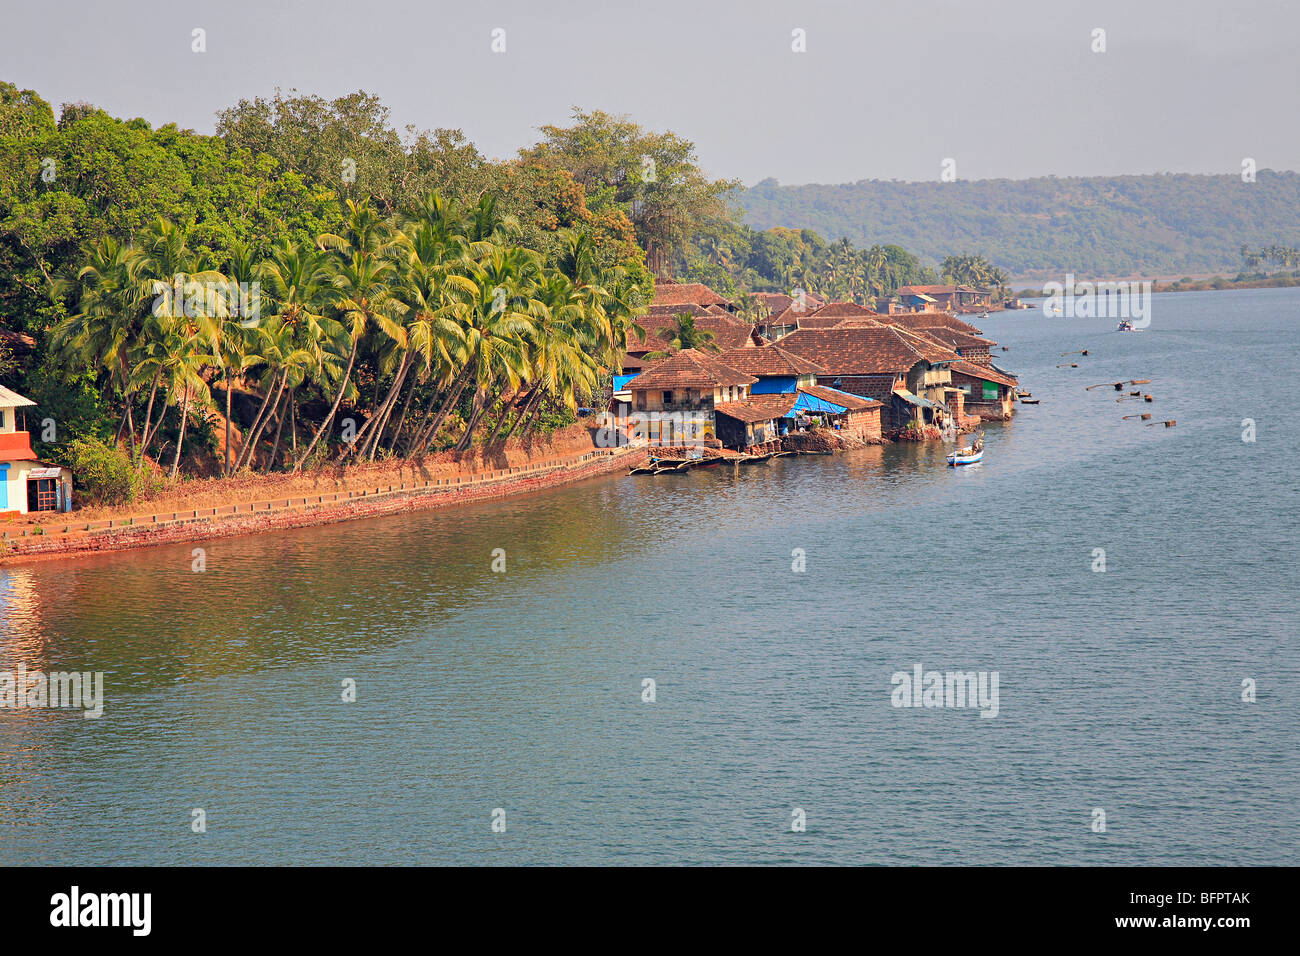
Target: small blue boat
[(970, 455), (957, 458)]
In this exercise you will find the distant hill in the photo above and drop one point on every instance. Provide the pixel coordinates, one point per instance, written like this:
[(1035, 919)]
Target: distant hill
[(1102, 226)]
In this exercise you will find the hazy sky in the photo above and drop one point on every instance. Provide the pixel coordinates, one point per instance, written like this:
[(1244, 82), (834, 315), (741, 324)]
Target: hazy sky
[(885, 90)]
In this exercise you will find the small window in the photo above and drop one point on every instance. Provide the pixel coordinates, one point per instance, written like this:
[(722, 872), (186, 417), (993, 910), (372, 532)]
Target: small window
[(2, 418), (668, 398)]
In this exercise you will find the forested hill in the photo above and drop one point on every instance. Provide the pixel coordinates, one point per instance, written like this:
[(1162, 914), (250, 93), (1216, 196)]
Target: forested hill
[(1100, 226)]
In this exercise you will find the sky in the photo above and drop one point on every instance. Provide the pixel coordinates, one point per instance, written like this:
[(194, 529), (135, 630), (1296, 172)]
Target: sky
[(1003, 88)]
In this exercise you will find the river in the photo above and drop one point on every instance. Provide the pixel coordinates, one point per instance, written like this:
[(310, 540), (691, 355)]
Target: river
[(1119, 691)]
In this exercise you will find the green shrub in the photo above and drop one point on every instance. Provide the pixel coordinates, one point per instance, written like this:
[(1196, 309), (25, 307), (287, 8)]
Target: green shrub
[(102, 473)]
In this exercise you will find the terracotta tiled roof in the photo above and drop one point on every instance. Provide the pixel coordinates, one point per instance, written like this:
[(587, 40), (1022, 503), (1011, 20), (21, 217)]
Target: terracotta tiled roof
[(849, 401), (770, 360), (690, 308), (675, 293), (868, 351), (759, 408), (728, 331), (956, 339), (985, 373), (690, 368), (844, 309), (16, 446), (930, 320), (857, 322)]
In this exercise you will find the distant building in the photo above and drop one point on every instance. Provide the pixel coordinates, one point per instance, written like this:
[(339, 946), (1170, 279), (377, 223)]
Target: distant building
[(955, 298), (27, 484)]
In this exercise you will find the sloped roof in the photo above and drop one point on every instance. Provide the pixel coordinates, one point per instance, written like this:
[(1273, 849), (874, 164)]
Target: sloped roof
[(843, 309), (690, 368), (16, 446), (11, 399), (728, 331), (864, 351), (760, 408), (956, 339), (938, 289), (770, 360), (930, 320), (681, 293), (985, 373), (834, 395)]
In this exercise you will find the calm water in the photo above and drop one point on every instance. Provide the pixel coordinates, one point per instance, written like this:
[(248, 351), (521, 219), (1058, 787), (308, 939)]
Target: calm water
[(477, 690)]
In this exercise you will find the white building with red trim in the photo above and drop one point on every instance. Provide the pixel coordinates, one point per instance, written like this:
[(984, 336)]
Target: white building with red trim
[(27, 484)]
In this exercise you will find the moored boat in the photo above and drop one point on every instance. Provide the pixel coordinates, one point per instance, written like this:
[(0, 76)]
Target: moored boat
[(970, 455)]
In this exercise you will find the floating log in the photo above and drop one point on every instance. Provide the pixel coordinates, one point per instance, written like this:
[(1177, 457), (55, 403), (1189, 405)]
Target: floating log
[(1148, 398), (1139, 381), (1168, 424), (1118, 386), (1079, 352), (1144, 416), (1135, 394), (1071, 365)]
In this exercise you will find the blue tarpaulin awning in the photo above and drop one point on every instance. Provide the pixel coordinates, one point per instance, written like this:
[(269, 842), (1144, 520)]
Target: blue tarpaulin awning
[(811, 403), (620, 381)]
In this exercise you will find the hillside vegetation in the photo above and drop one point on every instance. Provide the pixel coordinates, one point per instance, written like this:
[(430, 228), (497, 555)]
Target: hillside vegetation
[(1099, 226)]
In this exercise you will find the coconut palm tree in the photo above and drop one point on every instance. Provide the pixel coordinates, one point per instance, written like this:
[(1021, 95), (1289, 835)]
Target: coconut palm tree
[(108, 295), (684, 334), (363, 280)]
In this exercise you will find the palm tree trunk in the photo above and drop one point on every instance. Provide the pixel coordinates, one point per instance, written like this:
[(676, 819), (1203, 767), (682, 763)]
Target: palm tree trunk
[(227, 468), (377, 438), (279, 423), (375, 425), (476, 412), (532, 422), (259, 422), (180, 440), (523, 410), (462, 378), (401, 419), (148, 418), (347, 373), (501, 420), (255, 435)]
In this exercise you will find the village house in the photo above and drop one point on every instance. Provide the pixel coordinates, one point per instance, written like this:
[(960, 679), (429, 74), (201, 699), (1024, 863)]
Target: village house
[(956, 298), (822, 317), (674, 294), (987, 391), (910, 375), (930, 320), (674, 401), (27, 484), (787, 389)]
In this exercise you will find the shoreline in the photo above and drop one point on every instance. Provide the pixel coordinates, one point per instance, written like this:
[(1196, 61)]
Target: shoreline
[(82, 538)]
